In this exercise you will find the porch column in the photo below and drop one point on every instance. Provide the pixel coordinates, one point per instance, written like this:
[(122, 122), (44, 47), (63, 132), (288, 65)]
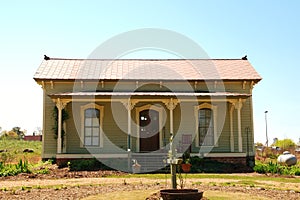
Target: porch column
[(129, 106), (171, 104), (171, 120), (231, 128), (238, 106), (60, 106), (129, 128)]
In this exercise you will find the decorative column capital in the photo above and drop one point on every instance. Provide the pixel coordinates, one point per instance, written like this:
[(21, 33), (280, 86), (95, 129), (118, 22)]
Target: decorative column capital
[(231, 108), (129, 103), (171, 104), (237, 103), (60, 104)]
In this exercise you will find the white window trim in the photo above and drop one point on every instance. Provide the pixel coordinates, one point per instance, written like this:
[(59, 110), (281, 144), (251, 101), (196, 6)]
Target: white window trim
[(160, 112), (82, 109), (215, 111)]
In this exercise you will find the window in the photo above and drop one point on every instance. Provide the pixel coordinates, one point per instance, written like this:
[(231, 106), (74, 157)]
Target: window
[(91, 125), (206, 127)]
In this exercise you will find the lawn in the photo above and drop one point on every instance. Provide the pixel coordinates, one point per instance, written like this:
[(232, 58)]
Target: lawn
[(13, 151), (134, 186)]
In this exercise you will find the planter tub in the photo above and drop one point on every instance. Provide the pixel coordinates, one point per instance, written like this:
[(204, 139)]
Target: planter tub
[(181, 194)]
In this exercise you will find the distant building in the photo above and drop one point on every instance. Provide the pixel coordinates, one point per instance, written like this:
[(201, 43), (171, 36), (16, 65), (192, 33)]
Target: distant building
[(33, 137)]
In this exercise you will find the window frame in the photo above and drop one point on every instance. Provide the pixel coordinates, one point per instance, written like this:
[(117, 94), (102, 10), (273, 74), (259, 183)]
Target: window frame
[(213, 108), (82, 135)]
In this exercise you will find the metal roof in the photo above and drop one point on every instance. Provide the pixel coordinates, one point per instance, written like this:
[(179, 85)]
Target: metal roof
[(146, 69)]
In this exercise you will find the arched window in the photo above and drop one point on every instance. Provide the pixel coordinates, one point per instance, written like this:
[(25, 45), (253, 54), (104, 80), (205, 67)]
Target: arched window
[(91, 127), (206, 127), (91, 123)]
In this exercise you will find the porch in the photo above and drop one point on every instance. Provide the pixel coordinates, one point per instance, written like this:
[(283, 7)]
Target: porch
[(160, 107)]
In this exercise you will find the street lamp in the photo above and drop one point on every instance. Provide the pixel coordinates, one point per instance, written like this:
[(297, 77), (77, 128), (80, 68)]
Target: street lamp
[(266, 128)]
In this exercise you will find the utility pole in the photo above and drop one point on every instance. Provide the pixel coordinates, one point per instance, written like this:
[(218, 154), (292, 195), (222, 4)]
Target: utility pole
[(267, 140)]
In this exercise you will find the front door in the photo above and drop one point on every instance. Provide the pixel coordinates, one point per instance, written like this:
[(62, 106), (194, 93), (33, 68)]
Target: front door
[(149, 134)]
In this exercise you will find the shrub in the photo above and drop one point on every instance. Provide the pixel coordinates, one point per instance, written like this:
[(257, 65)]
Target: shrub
[(275, 168), (285, 144), (82, 165), (88, 165), (14, 169), (42, 171), (295, 170), (261, 168), (212, 166)]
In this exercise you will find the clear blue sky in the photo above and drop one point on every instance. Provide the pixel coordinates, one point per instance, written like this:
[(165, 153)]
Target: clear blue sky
[(267, 31)]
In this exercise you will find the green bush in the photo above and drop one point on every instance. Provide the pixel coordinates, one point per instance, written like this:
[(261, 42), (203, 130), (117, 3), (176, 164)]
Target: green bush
[(14, 169), (42, 171), (261, 168), (295, 170), (275, 168), (88, 165), (83, 165), (200, 165)]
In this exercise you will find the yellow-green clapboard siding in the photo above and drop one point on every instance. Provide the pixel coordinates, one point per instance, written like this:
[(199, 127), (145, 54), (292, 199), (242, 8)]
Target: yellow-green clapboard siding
[(115, 135)]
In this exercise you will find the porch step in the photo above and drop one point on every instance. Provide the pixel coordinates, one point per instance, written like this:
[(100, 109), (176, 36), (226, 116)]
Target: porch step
[(150, 162)]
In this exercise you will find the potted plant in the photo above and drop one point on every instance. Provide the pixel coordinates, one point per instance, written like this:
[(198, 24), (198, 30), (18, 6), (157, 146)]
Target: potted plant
[(186, 165)]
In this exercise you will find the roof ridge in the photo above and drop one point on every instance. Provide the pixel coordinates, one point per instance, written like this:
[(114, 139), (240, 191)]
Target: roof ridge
[(144, 59)]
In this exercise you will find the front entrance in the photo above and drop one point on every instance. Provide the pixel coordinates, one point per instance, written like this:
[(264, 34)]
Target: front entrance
[(149, 130)]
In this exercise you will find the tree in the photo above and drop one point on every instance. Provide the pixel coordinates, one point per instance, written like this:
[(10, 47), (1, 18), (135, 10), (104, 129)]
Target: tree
[(38, 131), (285, 144), (12, 134), (258, 144), (18, 131)]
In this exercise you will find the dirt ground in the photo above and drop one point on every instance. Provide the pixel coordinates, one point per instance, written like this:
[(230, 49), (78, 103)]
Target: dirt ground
[(62, 184)]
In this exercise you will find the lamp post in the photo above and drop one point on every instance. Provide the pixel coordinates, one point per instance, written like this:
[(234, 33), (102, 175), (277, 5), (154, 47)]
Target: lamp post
[(267, 142)]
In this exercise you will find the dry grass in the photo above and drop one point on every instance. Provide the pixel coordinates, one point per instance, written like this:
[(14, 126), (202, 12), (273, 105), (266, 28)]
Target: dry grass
[(124, 195), (225, 195)]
